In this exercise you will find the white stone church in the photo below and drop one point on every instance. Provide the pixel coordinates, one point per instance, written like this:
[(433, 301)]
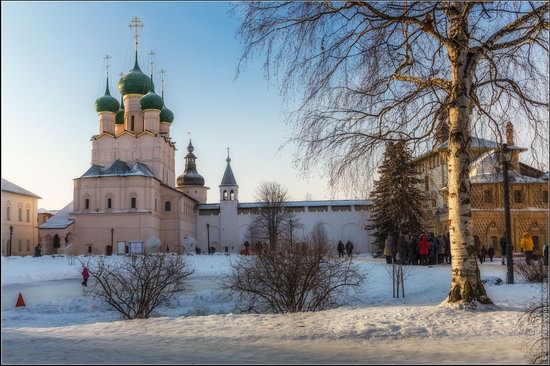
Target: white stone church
[(130, 198)]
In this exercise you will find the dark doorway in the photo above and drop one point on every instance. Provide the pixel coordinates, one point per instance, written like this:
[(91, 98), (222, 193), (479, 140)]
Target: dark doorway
[(108, 250)]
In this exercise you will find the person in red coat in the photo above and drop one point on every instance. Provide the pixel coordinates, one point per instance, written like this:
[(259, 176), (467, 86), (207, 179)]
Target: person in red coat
[(424, 247), (85, 276)]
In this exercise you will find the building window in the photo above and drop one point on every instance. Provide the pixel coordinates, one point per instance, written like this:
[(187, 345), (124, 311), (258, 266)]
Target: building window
[(28, 215), (132, 123), (167, 206), (488, 196), (133, 202), (155, 204), (544, 196), (28, 245), (232, 195), (89, 248), (109, 203), (87, 203), (224, 195), (19, 245), (20, 214), (517, 196), (8, 213)]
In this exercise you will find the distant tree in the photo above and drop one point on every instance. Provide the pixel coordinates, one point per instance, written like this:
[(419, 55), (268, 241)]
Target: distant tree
[(272, 218), (397, 202)]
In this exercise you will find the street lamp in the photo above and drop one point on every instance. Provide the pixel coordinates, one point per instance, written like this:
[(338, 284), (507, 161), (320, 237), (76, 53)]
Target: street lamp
[(11, 235), (208, 236), (506, 156)]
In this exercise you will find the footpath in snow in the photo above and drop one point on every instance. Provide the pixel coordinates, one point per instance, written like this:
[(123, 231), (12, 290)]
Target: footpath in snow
[(62, 325)]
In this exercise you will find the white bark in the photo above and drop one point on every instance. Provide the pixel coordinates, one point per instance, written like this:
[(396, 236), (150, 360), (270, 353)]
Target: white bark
[(466, 286)]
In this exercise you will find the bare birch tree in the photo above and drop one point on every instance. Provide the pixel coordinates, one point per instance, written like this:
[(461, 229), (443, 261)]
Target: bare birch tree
[(371, 72), (272, 218)]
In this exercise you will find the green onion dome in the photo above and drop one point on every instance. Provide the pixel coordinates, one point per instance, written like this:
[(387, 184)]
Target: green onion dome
[(119, 119), (166, 115), (134, 82), (107, 103), (151, 100)]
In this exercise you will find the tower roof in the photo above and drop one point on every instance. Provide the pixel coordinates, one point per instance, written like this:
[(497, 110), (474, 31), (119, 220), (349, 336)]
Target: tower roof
[(228, 177), (190, 177), (107, 103)]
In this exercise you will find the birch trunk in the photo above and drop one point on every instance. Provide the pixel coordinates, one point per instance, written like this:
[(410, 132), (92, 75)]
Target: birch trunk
[(466, 286)]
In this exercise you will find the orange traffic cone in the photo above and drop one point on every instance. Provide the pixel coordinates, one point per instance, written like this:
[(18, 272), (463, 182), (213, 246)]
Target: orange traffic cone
[(20, 301)]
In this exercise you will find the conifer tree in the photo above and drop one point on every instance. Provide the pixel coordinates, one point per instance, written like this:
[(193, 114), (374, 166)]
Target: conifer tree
[(397, 202)]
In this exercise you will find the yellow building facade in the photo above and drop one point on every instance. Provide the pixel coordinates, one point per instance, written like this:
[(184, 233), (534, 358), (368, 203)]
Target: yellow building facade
[(528, 194)]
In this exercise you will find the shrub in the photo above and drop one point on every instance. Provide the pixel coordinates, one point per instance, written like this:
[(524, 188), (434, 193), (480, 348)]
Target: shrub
[(135, 285), (535, 272), (293, 278)]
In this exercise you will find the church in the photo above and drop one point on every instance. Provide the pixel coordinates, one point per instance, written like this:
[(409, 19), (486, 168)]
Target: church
[(130, 199)]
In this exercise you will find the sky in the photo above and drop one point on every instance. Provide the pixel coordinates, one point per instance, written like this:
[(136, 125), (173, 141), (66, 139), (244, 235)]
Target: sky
[(52, 73)]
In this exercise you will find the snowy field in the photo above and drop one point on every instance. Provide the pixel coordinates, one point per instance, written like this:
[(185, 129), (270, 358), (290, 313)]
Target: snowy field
[(61, 325)]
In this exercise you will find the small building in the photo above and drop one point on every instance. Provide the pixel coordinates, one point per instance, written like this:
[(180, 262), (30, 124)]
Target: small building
[(19, 211)]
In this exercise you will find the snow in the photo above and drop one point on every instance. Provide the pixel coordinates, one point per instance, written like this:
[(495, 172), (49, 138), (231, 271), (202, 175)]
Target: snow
[(60, 325), (60, 219)]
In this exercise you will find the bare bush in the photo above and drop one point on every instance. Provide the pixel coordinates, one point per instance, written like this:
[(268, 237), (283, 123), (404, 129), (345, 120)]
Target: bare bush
[(536, 315), (293, 278), (534, 272), (137, 284)]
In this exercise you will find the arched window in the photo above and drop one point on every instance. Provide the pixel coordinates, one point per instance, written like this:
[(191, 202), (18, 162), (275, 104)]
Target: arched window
[(133, 202), (232, 195), (20, 214), (8, 216), (28, 245), (167, 206), (132, 123), (109, 203), (28, 215), (87, 203), (19, 246), (224, 195)]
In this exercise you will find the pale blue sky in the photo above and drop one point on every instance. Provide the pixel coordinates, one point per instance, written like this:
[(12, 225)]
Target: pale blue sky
[(52, 72)]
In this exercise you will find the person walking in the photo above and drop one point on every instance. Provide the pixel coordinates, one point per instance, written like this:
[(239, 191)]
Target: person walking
[(424, 250), (349, 248), (477, 247), (401, 249), (491, 253), (483, 253), (85, 276), (503, 249), (389, 249), (447, 248), (527, 246), (340, 249)]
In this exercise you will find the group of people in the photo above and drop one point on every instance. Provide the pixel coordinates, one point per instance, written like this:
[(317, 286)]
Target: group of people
[(348, 248), (417, 249)]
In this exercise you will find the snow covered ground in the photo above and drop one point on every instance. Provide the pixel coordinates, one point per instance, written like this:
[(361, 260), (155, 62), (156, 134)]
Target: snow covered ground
[(61, 325)]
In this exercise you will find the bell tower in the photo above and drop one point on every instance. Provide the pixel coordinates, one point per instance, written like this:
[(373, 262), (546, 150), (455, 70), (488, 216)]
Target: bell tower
[(229, 202)]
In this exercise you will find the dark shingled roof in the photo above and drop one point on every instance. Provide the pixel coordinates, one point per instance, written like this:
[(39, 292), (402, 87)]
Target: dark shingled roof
[(228, 177), (118, 168)]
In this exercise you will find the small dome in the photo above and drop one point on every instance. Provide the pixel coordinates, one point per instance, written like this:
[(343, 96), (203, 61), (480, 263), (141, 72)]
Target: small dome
[(119, 119), (151, 101), (166, 115), (134, 82), (191, 178), (107, 103)]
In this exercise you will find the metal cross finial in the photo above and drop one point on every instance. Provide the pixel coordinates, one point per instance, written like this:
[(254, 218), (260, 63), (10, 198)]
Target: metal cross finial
[(107, 58), (162, 72), (151, 60), (137, 25), (227, 152)]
